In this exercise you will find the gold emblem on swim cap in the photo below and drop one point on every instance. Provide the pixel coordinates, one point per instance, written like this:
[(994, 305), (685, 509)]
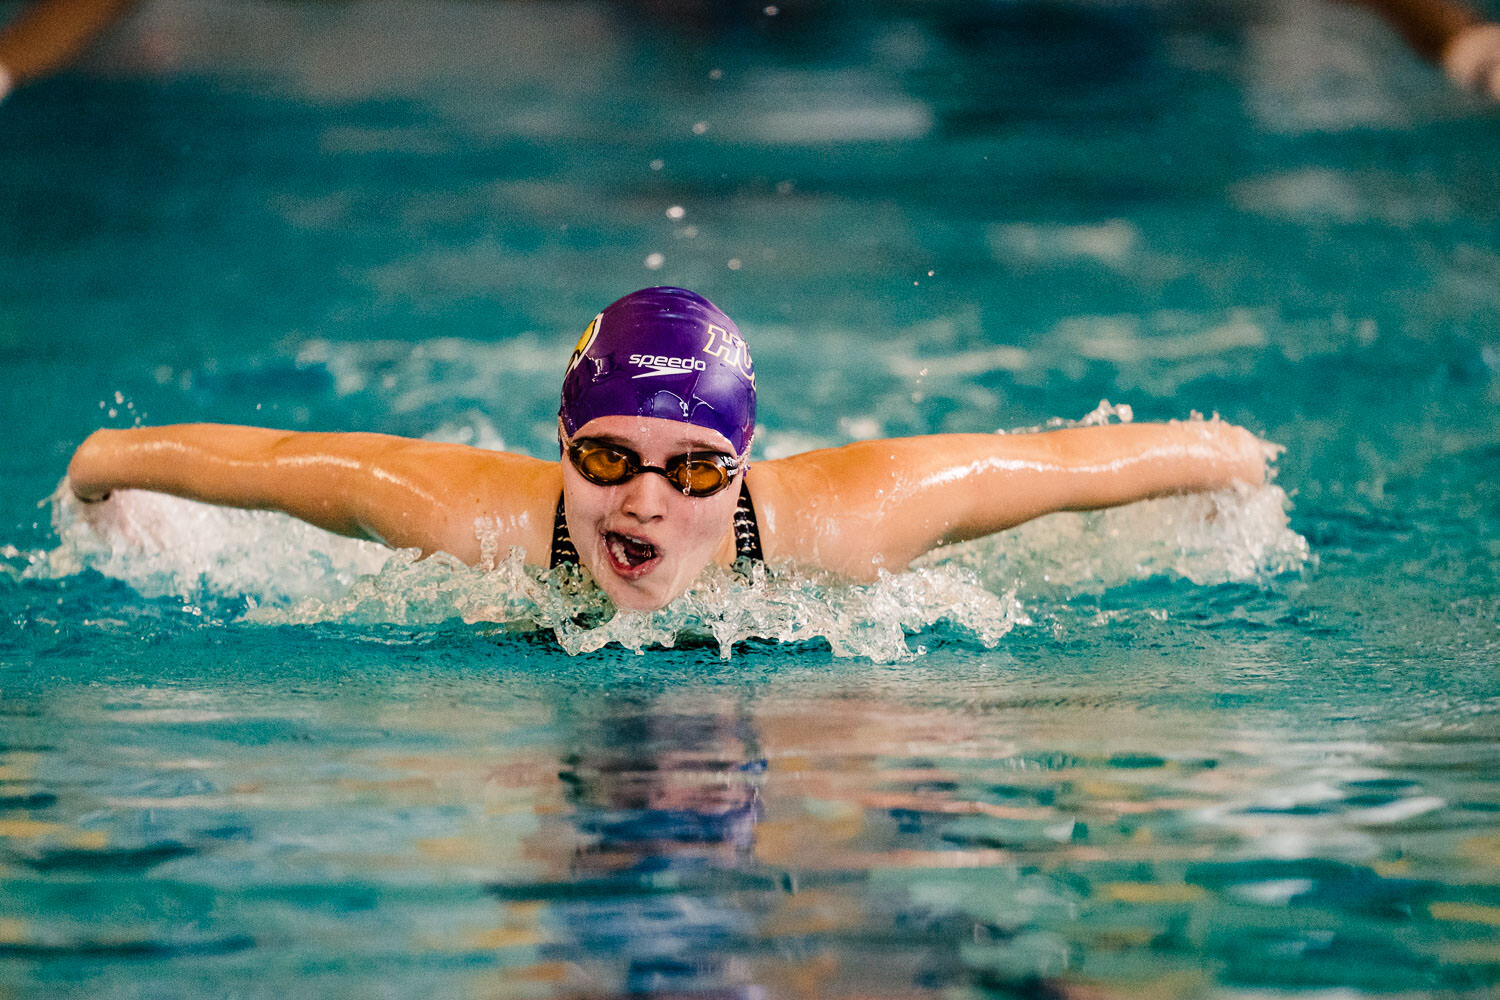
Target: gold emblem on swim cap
[(585, 342)]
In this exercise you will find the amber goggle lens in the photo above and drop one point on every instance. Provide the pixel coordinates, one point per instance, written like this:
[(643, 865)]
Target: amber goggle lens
[(698, 474)]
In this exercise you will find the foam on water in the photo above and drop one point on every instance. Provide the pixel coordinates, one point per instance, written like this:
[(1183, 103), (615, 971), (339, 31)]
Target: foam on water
[(1234, 535), (724, 607), (164, 546)]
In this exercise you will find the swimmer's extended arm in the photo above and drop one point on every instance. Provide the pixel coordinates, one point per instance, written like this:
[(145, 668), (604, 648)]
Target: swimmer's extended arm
[(881, 504), (403, 492)]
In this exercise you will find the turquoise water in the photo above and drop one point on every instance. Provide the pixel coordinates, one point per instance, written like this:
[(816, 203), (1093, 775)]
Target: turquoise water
[(1230, 746)]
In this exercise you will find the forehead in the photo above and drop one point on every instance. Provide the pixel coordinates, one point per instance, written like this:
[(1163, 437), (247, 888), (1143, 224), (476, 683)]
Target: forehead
[(655, 433)]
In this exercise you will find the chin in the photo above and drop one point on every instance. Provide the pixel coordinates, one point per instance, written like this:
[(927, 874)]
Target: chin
[(640, 602), (648, 593), (635, 599), (647, 588)]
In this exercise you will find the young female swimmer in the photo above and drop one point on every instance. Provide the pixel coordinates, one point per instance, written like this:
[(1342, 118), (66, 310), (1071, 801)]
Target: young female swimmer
[(654, 483)]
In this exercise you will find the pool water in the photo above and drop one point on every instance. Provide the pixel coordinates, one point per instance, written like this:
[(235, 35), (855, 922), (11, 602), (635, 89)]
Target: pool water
[(1236, 745)]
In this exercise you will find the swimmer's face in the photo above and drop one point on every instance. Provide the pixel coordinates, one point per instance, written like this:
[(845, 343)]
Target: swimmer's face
[(644, 541)]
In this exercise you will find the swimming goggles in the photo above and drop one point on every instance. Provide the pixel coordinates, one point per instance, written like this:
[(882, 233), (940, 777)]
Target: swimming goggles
[(697, 474)]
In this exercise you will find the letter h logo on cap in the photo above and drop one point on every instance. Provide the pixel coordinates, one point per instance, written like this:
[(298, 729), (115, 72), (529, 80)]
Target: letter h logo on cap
[(729, 348)]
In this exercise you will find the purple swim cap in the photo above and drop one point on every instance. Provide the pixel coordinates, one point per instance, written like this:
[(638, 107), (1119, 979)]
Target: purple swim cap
[(663, 352)]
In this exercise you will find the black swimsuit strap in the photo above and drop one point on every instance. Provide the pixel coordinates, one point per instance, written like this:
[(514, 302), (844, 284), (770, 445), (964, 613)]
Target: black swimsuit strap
[(746, 533), (563, 552), (746, 529)]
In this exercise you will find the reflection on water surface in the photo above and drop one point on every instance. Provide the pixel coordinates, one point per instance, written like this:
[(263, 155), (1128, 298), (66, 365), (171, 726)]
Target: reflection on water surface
[(818, 830)]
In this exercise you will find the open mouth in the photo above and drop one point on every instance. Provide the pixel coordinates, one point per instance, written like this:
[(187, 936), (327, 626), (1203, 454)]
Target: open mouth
[(631, 556)]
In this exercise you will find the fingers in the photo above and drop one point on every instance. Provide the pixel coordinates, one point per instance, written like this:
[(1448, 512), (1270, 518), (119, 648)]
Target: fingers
[(83, 496)]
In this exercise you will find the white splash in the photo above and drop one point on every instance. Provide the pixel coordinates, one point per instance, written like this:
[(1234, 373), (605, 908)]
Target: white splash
[(724, 607), (1241, 534), (164, 546)]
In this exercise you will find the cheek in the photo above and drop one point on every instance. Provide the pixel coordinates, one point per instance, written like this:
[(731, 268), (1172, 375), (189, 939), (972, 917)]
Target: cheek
[(583, 511), (705, 522), (584, 503)]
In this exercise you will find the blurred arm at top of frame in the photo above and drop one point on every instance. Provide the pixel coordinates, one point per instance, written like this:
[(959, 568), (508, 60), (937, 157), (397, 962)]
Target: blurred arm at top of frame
[(48, 34), (1451, 34)]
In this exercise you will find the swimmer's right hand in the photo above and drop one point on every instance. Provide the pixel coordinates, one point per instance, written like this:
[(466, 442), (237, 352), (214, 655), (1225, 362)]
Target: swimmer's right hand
[(87, 496), (88, 477), (116, 522)]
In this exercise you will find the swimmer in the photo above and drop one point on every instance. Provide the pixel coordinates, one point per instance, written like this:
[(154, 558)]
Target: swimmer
[(655, 482)]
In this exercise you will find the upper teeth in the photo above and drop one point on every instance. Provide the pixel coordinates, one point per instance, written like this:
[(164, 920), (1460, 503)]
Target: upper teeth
[(620, 545)]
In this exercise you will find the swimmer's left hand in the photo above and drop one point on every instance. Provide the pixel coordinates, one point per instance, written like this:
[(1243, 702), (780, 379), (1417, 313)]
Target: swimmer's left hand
[(1248, 457)]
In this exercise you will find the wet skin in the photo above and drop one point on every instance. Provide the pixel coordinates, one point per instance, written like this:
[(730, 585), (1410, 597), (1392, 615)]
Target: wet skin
[(644, 541)]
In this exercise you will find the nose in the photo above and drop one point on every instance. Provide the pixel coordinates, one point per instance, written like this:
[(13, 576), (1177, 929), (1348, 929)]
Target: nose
[(646, 497)]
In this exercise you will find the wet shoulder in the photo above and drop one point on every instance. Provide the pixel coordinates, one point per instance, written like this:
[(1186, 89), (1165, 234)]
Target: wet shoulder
[(524, 490), (511, 498), (807, 503)]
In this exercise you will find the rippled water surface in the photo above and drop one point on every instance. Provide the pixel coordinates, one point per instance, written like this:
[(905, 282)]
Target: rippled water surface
[(1236, 745)]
